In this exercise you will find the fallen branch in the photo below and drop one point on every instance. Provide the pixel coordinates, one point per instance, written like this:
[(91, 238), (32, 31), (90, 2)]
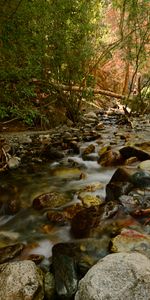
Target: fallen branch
[(94, 91)]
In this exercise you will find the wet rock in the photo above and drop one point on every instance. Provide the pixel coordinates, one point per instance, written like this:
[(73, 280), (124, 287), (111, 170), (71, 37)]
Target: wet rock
[(72, 260), (116, 189), (89, 251), (13, 162), (131, 240), (9, 252), (120, 184), (124, 182), (67, 173), (67, 136), (141, 196), (10, 207), (88, 150), (91, 187), (90, 200), (45, 138), (92, 115), (130, 203), (91, 157), (90, 136), (8, 238), (109, 158), (49, 200), (99, 126), (130, 151), (140, 179), (36, 258), (143, 215), (52, 153), (120, 175), (118, 276), (75, 146), (25, 139), (112, 227), (72, 210), (57, 217), (64, 271), (131, 160), (49, 286), (21, 280), (145, 165), (145, 146), (86, 221)]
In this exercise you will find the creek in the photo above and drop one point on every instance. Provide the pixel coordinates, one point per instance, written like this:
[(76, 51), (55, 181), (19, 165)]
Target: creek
[(64, 176)]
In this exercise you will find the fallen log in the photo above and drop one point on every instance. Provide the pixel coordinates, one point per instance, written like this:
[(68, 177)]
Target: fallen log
[(94, 91)]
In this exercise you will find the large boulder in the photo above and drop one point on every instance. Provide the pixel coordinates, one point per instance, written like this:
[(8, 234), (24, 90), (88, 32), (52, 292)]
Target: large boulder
[(21, 280), (118, 276)]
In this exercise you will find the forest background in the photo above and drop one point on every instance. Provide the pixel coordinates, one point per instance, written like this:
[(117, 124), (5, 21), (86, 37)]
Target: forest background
[(58, 54)]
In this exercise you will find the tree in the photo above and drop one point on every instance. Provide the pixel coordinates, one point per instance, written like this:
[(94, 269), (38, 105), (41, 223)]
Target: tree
[(54, 41), (24, 25), (76, 34), (134, 31)]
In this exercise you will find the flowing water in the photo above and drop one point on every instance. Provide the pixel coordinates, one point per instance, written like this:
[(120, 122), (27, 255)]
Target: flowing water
[(27, 225)]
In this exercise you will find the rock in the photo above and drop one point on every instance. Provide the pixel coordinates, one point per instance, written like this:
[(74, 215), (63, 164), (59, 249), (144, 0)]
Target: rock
[(13, 162), (64, 271), (124, 182), (72, 210), (130, 151), (73, 259), (130, 203), (45, 138), (90, 251), (85, 222), (88, 150), (90, 200), (145, 165), (91, 187), (36, 258), (21, 280), (118, 276), (57, 217), (144, 146), (90, 136), (140, 179), (25, 139), (9, 252), (67, 173), (120, 184), (75, 146), (92, 115), (109, 158), (8, 238), (131, 160), (99, 126), (116, 189), (131, 240), (49, 200), (49, 286), (51, 153)]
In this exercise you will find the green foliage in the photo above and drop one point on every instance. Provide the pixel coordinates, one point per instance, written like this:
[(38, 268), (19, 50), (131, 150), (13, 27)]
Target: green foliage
[(52, 41), (3, 112), (74, 38)]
